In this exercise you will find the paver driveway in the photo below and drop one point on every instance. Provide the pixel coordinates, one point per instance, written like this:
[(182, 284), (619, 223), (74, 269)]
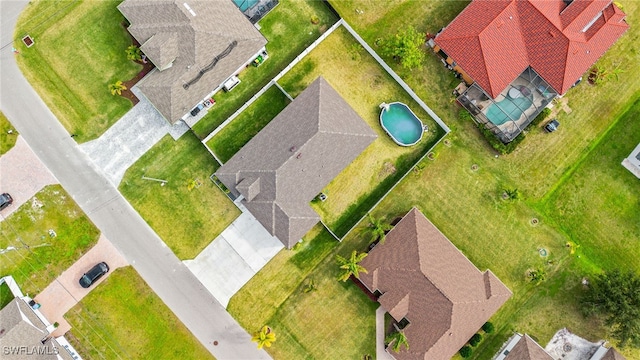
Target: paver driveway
[(65, 292), (22, 175)]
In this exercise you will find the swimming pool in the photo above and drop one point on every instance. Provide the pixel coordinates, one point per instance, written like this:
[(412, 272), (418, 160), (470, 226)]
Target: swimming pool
[(401, 124), (243, 5), (508, 109)]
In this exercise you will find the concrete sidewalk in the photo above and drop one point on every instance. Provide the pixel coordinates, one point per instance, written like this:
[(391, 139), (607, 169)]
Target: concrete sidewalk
[(381, 353), (65, 292), (234, 257), (22, 175)]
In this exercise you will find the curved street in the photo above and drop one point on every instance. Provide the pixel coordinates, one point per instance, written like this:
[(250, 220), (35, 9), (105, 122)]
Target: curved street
[(111, 213)]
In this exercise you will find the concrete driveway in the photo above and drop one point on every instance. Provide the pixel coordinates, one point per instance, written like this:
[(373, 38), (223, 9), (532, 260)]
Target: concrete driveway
[(65, 292), (22, 175), (234, 257), (129, 138)]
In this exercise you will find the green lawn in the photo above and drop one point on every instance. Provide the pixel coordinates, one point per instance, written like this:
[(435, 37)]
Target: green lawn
[(39, 259), (189, 211), (79, 49), (335, 321), (123, 318), (289, 30), (7, 140), (572, 181), (5, 295), (255, 117), (364, 84)]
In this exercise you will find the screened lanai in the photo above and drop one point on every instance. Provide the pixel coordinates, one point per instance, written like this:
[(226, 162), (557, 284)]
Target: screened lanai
[(514, 108)]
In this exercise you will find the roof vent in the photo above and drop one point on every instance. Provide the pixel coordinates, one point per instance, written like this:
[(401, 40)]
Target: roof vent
[(292, 149), (299, 156), (193, 13), (552, 33)]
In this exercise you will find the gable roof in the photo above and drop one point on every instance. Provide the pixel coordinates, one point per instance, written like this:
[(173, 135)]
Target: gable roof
[(528, 349), (424, 278), (494, 41), (182, 38), (20, 327), (294, 157)]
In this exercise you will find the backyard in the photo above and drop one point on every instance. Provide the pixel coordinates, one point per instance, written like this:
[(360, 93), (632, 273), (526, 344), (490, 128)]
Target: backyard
[(571, 182), (79, 49), (39, 257), (364, 84), (8, 135), (255, 117), (289, 30), (188, 211), (124, 298)]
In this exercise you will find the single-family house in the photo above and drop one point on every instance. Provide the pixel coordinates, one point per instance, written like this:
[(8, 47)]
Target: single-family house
[(518, 55), (564, 345), (430, 289), (288, 163), (195, 45)]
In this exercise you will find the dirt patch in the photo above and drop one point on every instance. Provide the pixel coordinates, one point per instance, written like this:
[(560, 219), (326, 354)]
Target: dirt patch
[(387, 169)]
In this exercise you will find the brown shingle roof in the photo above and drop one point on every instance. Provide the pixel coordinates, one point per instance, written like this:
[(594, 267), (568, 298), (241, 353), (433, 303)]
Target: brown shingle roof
[(294, 157), (168, 30), (527, 349), (613, 354), (427, 280)]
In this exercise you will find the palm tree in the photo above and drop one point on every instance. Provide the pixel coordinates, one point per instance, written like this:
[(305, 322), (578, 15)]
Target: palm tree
[(397, 338), (117, 88), (512, 194), (264, 337), (351, 266), (134, 53), (378, 229)]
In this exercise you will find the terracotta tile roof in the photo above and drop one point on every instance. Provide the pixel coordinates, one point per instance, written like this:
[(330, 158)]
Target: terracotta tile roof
[(183, 37), (528, 349), (493, 41), (294, 157), (427, 280)]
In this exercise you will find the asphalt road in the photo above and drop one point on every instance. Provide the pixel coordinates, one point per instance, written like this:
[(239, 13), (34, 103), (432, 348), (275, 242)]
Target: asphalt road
[(111, 213)]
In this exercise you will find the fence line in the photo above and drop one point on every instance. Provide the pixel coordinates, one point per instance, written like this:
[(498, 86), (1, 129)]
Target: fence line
[(266, 87), (283, 91), (395, 76)]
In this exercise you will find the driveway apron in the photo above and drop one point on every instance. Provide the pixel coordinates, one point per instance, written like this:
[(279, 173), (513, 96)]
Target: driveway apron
[(129, 138)]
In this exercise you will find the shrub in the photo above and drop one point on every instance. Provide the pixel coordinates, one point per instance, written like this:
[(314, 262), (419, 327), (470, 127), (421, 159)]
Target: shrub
[(543, 115), (475, 339), (466, 351), (488, 327)]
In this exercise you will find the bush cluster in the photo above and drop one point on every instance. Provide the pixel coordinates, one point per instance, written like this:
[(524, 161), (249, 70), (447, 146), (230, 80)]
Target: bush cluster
[(466, 351)]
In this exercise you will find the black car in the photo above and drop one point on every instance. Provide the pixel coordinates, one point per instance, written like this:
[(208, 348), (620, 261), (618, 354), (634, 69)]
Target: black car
[(552, 125), (5, 200), (94, 274)]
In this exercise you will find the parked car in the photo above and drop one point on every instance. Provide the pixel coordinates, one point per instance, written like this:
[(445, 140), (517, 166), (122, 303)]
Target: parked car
[(5, 200), (94, 274), (552, 125), (197, 109)]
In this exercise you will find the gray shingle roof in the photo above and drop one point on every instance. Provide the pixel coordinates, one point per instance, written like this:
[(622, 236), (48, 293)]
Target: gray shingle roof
[(169, 32), (424, 278), (294, 157), (20, 327)]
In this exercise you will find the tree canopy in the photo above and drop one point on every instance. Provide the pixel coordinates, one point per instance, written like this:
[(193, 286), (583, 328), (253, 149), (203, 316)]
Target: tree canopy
[(351, 266), (616, 296), (407, 47)]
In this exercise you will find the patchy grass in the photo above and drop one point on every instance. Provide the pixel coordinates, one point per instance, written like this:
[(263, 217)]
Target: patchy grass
[(364, 84), (334, 313), (255, 117), (39, 259), (8, 134), (289, 30), (189, 211), (123, 318), (79, 50)]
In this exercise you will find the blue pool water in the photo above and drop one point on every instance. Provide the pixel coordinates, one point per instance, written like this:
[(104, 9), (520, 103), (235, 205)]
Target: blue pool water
[(401, 124), (508, 109), (243, 5)]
